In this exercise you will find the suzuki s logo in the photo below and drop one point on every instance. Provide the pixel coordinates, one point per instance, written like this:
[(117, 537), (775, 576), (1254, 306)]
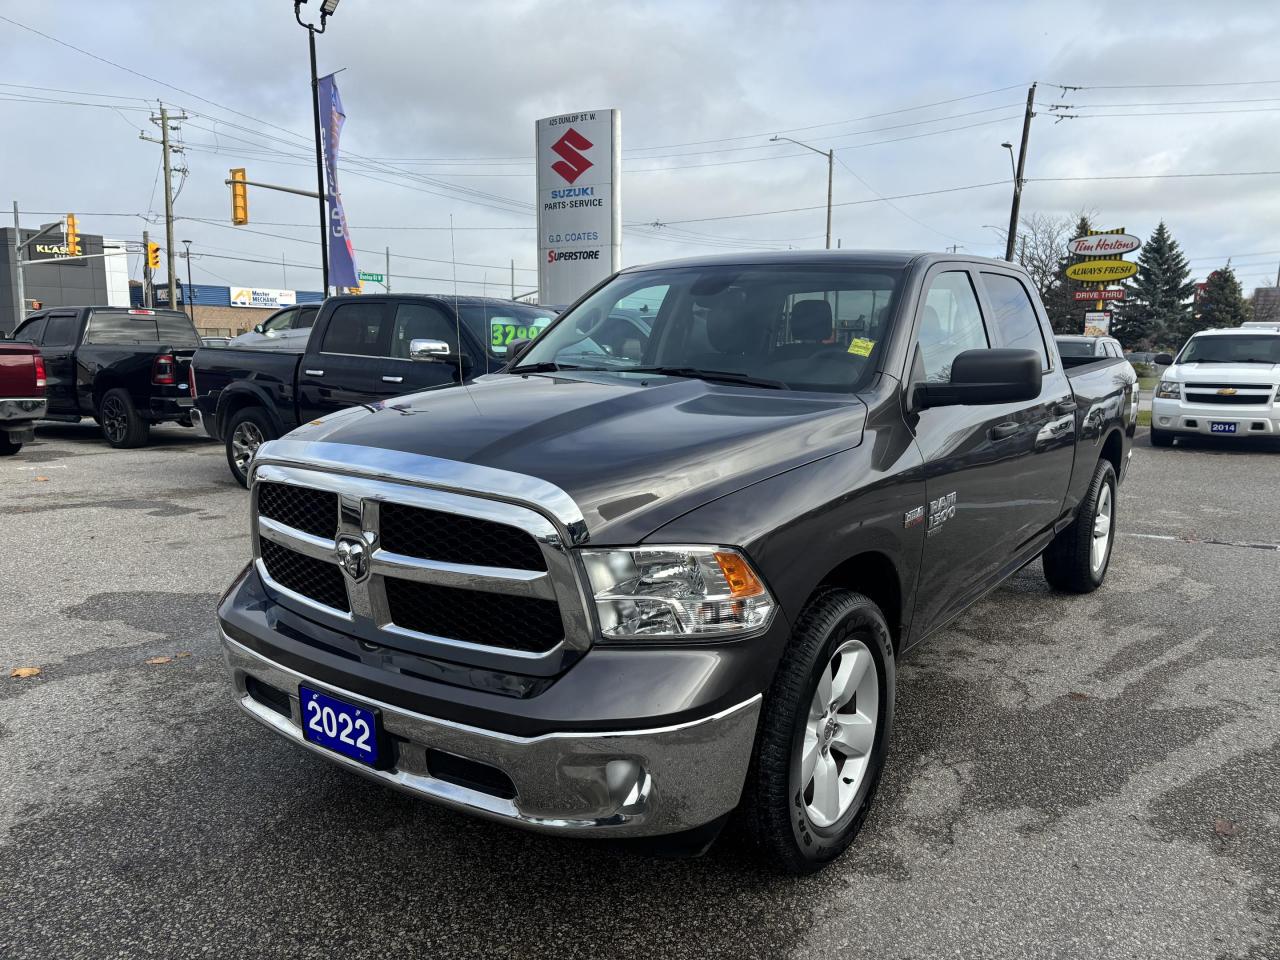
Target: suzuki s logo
[(572, 164), (1228, 392), (353, 557)]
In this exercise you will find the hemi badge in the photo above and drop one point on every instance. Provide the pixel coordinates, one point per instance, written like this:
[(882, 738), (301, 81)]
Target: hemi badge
[(913, 516)]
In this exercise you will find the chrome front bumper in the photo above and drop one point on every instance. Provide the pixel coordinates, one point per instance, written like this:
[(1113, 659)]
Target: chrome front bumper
[(23, 409), (621, 784)]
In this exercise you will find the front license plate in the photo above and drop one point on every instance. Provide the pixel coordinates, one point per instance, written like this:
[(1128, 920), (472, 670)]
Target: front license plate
[(1216, 426), (339, 726)]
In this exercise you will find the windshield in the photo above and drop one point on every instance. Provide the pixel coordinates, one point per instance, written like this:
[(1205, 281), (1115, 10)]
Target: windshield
[(799, 326), (1075, 348), (1232, 349), (499, 324)]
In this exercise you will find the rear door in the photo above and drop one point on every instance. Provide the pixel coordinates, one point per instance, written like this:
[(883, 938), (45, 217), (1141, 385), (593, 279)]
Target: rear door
[(58, 345), (344, 368)]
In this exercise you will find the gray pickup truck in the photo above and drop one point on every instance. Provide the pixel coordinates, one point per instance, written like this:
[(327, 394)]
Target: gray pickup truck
[(632, 591)]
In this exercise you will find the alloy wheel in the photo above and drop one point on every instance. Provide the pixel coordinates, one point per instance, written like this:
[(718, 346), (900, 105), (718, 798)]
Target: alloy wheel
[(1101, 530), (839, 733), (115, 419), (245, 440)]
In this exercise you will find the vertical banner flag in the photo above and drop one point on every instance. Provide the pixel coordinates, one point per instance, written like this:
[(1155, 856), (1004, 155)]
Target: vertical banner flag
[(342, 256), (579, 202)]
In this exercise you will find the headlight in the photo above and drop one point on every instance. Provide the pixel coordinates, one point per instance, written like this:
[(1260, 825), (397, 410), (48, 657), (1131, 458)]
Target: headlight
[(670, 593), (1169, 390)]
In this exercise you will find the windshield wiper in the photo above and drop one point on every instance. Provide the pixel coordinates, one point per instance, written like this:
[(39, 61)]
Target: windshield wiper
[(722, 376)]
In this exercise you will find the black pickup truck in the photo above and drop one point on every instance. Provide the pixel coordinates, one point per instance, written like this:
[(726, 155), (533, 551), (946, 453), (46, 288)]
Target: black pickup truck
[(602, 594), (126, 368), (362, 350)]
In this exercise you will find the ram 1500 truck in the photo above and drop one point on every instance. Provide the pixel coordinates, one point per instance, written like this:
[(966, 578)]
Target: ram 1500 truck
[(126, 368), (1224, 383), (361, 350), (22, 400), (628, 593)]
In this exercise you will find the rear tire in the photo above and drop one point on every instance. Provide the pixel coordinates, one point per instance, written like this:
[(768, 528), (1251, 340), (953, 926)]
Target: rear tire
[(809, 738), (1077, 559), (249, 429), (1161, 438), (7, 447), (122, 426)]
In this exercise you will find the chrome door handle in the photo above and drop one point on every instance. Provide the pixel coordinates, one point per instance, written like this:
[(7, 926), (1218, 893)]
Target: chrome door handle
[(393, 379), (314, 373)]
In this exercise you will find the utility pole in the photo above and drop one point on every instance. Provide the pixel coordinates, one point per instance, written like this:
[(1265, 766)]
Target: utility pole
[(386, 280), (1018, 178), (513, 279), (19, 289), (166, 149), (147, 279), (831, 166), (326, 9)]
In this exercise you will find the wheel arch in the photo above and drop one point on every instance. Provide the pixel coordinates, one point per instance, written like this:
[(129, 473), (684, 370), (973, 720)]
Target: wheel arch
[(875, 575), (1113, 450), (236, 398)]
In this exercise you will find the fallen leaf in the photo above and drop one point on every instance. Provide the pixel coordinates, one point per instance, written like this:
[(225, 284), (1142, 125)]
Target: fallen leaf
[(42, 479), (21, 673), (156, 661), (184, 654), (1074, 695), (1225, 828)]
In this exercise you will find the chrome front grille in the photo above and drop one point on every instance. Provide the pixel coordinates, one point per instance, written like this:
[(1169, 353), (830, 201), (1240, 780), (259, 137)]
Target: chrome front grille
[(1232, 394), (439, 572)]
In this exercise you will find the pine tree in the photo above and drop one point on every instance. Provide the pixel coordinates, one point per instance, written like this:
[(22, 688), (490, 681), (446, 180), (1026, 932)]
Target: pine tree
[(1066, 313), (1222, 304), (1157, 304)]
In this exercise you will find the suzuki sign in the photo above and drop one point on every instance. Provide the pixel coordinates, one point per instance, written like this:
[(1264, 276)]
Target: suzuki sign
[(579, 202)]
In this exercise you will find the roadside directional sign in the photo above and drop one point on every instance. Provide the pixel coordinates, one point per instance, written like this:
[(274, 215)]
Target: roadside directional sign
[(372, 277)]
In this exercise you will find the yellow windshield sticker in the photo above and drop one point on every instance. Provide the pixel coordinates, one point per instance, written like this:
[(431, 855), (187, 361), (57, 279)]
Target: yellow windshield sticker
[(861, 347)]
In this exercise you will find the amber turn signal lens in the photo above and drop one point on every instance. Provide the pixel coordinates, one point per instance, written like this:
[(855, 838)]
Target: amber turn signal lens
[(742, 580)]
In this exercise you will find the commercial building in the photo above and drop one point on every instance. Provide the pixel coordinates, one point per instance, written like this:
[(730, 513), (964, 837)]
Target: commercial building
[(100, 277), (226, 311)]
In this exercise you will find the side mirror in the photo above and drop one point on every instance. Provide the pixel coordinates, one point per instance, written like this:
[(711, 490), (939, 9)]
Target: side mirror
[(429, 350), (985, 376), (1164, 359), (257, 328), (515, 348)]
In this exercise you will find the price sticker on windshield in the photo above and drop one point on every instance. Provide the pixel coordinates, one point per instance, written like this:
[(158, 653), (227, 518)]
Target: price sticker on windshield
[(861, 347), (504, 331)]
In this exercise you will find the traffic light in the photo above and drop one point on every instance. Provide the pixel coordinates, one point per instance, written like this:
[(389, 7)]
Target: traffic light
[(153, 256), (239, 197), (73, 236)]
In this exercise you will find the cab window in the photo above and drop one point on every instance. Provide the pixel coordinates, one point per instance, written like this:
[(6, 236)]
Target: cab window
[(950, 323), (1013, 317)]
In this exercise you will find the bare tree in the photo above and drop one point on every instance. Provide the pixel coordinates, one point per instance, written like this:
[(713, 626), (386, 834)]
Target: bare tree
[(1042, 243)]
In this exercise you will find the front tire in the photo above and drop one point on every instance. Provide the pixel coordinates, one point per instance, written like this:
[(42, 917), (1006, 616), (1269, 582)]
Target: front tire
[(7, 447), (122, 426), (249, 429), (1161, 438), (1077, 559), (823, 735)]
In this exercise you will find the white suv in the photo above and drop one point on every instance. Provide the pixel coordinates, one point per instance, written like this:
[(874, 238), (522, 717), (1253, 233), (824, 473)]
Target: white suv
[(1223, 383)]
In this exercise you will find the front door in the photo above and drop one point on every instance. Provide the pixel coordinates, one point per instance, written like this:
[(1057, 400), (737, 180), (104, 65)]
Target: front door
[(968, 453), (398, 374), (57, 346)]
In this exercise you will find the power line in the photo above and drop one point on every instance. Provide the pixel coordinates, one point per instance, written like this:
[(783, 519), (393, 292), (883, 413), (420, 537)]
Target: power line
[(894, 206), (1158, 176), (1162, 86)]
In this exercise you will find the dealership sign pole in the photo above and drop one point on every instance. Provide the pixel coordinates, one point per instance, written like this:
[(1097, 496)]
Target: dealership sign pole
[(579, 157)]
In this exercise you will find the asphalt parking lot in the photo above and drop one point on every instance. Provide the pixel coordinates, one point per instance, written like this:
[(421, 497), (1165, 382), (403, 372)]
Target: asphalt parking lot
[(1070, 776)]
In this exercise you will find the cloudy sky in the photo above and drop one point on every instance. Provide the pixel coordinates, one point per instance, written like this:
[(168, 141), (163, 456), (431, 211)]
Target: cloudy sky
[(441, 99)]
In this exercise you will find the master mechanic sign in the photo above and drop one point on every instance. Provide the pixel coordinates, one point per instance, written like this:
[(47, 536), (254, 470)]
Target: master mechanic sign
[(579, 202)]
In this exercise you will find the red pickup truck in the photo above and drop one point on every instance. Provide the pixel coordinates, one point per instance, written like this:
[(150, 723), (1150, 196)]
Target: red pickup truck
[(22, 394)]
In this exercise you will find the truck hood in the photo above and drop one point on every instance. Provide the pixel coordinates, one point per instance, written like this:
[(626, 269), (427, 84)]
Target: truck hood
[(634, 451), (1259, 373)]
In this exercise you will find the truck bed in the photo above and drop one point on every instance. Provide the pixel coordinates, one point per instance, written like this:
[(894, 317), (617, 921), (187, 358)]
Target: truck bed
[(273, 374)]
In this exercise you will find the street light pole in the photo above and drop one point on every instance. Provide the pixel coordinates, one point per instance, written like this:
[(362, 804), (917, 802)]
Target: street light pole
[(191, 303), (326, 8), (831, 163)]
